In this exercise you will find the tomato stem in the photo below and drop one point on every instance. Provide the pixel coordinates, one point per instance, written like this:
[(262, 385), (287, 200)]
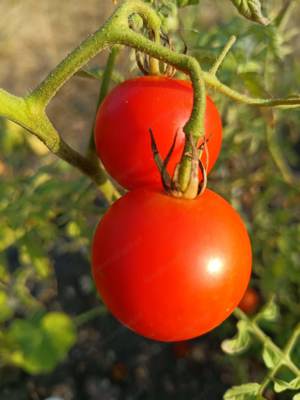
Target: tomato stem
[(214, 69), (89, 315), (284, 356)]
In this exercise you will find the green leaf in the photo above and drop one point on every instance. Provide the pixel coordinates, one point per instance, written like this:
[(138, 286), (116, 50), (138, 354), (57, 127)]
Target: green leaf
[(9, 236), (248, 391), (21, 290), (6, 310), (269, 312), (40, 344), (252, 82), (32, 253), (281, 386), (73, 229), (61, 330), (184, 3), (270, 357), (4, 273), (238, 343), (297, 396), (251, 9)]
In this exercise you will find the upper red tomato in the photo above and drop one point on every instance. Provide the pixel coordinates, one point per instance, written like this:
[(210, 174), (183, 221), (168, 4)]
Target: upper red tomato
[(123, 121), (171, 269)]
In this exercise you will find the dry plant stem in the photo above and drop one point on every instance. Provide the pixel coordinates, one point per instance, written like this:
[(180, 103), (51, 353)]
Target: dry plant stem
[(30, 110)]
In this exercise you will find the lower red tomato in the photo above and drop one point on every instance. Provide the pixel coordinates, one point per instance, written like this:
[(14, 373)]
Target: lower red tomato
[(171, 269)]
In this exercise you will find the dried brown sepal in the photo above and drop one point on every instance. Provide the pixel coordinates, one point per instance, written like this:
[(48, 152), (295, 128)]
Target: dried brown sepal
[(141, 63), (202, 185), (171, 185), (164, 173), (165, 177), (143, 60)]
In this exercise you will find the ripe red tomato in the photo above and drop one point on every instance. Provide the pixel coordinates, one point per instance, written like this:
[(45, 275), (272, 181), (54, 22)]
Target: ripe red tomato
[(250, 301), (123, 121), (171, 269)]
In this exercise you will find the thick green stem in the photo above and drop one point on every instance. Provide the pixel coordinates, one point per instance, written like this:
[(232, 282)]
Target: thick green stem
[(289, 102), (29, 115), (90, 47), (197, 131), (43, 129), (67, 68), (14, 108)]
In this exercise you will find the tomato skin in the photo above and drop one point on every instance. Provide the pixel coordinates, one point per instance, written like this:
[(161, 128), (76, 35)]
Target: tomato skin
[(122, 128), (171, 269), (250, 301)]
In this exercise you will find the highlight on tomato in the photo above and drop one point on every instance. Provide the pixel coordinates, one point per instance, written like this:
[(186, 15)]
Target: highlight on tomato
[(171, 269), (161, 104)]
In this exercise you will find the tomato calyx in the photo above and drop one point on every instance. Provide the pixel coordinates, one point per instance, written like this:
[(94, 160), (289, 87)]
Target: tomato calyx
[(145, 62), (170, 184)]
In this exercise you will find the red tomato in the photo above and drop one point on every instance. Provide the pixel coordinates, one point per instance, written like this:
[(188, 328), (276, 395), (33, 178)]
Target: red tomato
[(123, 121), (250, 301), (171, 269)]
